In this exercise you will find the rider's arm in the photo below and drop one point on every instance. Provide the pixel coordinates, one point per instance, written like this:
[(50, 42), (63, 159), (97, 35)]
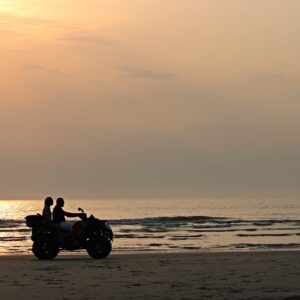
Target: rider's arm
[(70, 215)]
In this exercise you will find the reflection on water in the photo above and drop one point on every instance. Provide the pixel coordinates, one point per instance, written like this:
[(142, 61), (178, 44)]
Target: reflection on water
[(172, 224)]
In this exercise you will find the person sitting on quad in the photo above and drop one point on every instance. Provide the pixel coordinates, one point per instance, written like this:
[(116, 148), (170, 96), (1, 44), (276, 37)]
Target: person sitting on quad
[(59, 215), (47, 211)]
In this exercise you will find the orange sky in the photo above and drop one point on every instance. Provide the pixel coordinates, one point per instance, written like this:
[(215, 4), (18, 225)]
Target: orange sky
[(142, 98)]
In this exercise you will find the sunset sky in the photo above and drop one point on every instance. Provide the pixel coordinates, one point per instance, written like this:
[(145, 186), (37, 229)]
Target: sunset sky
[(148, 98)]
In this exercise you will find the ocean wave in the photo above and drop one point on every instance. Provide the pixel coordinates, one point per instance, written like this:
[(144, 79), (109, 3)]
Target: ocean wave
[(138, 236), (197, 224), (167, 220), (13, 238), (265, 246), (7, 223), (202, 221), (186, 237), (268, 234), (12, 229), (196, 221)]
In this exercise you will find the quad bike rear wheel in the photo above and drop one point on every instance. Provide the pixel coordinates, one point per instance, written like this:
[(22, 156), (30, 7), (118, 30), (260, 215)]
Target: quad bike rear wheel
[(45, 248), (99, 248)]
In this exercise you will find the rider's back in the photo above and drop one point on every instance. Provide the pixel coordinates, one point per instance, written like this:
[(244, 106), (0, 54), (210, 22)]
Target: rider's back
[(47, 213), (58, 214)]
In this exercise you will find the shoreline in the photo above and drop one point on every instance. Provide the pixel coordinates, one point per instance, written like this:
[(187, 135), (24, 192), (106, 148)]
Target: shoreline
[(150, 252), (176, 276)]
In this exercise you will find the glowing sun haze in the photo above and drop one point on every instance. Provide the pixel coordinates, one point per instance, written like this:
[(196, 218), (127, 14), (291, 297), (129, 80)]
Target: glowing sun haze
[(148, 98)]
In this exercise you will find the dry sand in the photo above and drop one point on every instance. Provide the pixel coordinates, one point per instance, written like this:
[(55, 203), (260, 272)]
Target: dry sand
[(241, 275)]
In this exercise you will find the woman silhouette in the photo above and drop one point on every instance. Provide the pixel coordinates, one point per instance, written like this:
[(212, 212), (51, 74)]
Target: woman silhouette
[(47, 211)]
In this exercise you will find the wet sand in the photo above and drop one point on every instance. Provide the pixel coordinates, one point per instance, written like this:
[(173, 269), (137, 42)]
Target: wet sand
[(240, 275)]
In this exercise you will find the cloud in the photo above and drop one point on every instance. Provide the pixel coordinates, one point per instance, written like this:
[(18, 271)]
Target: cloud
[(94, 39), (34, 67), (57, 72), (9, 19), (15, 29), (145, 74), (271, 77)]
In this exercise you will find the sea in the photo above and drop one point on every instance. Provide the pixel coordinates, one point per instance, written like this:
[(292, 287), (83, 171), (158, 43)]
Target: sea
[(174, 225)]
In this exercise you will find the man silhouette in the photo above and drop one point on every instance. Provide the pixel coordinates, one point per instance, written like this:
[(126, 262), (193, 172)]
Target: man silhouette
[(59, 215)]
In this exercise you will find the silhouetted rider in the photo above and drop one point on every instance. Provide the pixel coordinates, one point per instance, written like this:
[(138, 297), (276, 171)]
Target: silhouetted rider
[(47, 209), (59, 215)]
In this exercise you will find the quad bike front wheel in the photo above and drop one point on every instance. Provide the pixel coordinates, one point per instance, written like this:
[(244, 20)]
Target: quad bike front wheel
[(45, 248), (99, 248)]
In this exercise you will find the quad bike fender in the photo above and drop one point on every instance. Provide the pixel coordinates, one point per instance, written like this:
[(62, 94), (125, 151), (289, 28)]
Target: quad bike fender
[(105, 233)]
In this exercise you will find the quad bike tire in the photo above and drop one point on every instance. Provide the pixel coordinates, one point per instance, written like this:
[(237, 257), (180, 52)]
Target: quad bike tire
[(45, 248), (99, 248)]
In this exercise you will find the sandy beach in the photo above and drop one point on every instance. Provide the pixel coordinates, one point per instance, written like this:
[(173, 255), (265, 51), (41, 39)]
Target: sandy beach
[(239, 275)]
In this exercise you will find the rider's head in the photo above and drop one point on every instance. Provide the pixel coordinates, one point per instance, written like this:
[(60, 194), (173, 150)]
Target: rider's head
[(60, 202), (48, 201)]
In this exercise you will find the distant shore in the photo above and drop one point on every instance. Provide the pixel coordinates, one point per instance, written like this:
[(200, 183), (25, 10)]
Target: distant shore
[(190, 275)]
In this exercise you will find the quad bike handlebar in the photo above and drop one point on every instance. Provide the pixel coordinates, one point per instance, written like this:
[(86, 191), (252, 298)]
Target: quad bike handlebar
[(82, 216)]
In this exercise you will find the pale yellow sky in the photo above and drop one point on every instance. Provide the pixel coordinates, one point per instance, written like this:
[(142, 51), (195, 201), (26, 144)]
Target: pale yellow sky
[(148, 98)]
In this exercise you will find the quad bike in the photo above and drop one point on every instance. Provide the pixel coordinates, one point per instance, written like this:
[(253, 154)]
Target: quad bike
[(90, 233)]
